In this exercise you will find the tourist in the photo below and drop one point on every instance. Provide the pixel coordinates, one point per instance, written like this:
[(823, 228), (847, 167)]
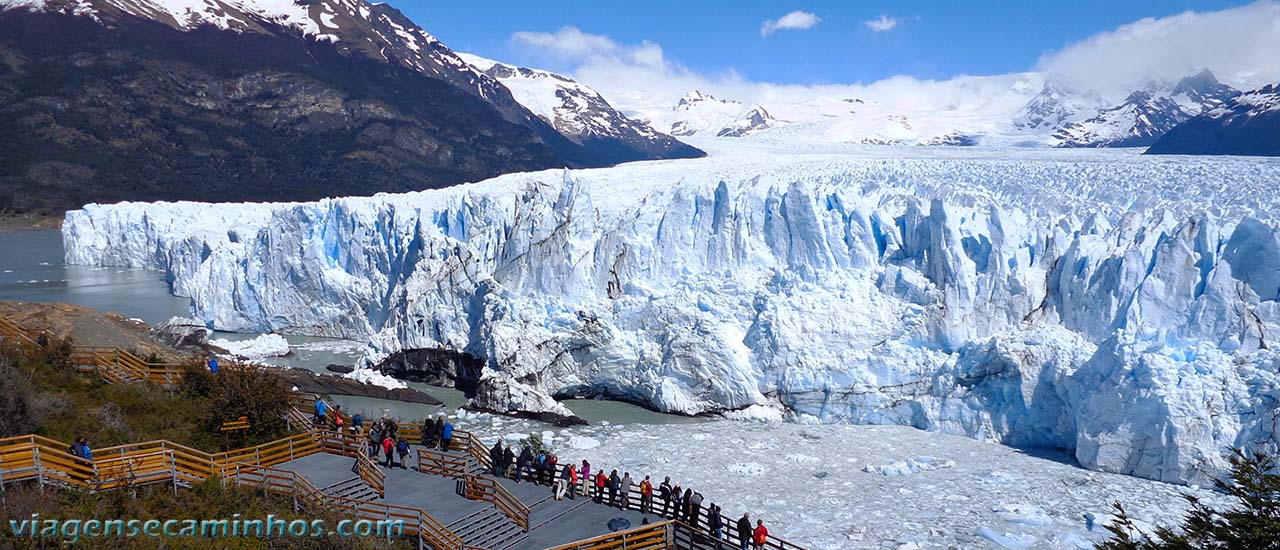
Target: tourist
[(715, 522), (744, 532), (388, 449), (624, 489), (77, 448), (508, 461), (392, 428), (584, 474), (677, 503), (664, 492), (429, 433), (375, 441), (614, 482), (761, 535), (446, 436), (402, 449), (601, 481), (495, 458), (213, 364), (695, 509), (357, 423), (439, 431), (539, 464), (337, 418), (86, 452), (646, 496), (573, 480), (524, 464), (320, 408), (687, 508), (562, 482)]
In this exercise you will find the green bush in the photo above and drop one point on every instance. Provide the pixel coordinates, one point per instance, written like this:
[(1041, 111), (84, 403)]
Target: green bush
[(1253, 523)]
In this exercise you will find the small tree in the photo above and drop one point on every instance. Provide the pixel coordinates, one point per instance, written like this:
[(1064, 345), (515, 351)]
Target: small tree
[(1254, 523)]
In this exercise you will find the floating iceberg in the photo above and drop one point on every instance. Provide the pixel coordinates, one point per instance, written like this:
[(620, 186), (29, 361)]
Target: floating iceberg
[(1118, 306)]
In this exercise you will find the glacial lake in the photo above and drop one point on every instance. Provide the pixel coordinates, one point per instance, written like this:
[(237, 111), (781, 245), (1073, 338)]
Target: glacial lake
[(32, 270)]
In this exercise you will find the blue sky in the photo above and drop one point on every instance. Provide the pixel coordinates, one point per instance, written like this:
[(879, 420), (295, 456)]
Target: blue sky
[(931, 40)]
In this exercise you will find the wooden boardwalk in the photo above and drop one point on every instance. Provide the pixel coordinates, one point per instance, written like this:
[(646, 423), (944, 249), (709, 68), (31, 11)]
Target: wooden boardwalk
[(446, 499), (551, 522)]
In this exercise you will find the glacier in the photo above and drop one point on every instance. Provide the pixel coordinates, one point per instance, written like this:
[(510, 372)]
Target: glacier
[(1122, 307)]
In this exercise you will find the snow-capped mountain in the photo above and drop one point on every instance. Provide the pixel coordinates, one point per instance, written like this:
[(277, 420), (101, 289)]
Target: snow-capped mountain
[(254, 100), (755, 119), (1075, 300), (1055, 105), (1247, 124), (1146, 114), (581, 113), (699, 114)]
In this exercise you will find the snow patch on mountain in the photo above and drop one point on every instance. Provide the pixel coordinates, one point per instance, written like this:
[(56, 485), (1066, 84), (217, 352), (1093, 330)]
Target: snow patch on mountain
[(1064, 299)]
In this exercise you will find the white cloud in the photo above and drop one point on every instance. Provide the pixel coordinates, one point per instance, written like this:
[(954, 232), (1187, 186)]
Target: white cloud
[(568, 44), (794, 21), (1240, 45), (881, 24)]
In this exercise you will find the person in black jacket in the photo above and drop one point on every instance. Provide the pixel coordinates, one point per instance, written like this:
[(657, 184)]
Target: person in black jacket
[(429, 434), (508, 459), (523, 463), (744, 532), (664, 492), (715, 523), (495, 458)]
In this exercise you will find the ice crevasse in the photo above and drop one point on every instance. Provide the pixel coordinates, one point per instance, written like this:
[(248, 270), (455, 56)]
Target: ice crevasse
[(1142, 339)]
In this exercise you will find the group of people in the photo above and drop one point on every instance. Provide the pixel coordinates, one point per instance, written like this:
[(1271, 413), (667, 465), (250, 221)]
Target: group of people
[(543, 467), (437, 434), (570, 481), (80, 448), (384, 437)]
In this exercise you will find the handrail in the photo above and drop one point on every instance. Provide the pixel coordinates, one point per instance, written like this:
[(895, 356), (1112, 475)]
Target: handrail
[(655, 536), (431, 461), (488, 490)]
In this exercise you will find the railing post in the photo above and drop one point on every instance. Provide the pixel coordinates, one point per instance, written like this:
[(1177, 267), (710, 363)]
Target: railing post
[(39, 467)]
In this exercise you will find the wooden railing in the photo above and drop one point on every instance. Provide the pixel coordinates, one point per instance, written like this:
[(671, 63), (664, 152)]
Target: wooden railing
[(416, 522), (655, 536), (489, 490), (19, 334), (699, 530), (434, 462), (118, 366)]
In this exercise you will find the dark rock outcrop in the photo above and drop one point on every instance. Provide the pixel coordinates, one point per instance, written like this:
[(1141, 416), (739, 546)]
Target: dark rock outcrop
[(328, 384), (437, 367)]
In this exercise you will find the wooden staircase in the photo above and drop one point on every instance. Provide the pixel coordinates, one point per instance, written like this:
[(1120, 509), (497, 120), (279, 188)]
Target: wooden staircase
[(353, 489), (488, 528)]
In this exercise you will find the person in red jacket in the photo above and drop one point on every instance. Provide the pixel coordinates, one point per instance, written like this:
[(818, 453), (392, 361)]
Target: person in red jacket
[(600, 483), (761, 535), (388, 447)]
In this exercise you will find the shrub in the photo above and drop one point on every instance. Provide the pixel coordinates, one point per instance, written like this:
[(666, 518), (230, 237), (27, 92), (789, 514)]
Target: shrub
[(17, 399), (1254, 522)]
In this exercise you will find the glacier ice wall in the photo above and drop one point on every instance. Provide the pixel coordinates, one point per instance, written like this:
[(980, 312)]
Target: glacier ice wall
[(846, 291)]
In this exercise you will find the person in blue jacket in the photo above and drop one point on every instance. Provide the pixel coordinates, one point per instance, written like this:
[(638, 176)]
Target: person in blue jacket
[(446, 436), (213, 365), (320, 408)]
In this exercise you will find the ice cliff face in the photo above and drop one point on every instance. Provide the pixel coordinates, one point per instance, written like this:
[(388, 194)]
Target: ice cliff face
[(844, 289)]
